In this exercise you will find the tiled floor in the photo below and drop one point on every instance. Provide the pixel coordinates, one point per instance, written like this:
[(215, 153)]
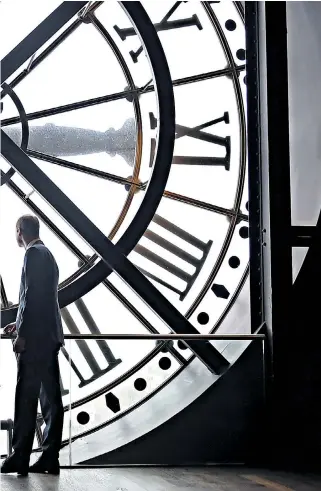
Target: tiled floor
[(163, 479)]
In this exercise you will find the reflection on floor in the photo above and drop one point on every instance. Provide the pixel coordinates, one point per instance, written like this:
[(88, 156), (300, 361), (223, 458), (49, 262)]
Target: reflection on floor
[(163, 479)]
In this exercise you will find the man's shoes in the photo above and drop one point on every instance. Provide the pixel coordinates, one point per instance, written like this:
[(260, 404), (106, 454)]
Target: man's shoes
[(43, 466), (15, 463)]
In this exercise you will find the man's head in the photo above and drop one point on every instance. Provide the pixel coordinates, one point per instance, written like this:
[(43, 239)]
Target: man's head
[(27, 229)]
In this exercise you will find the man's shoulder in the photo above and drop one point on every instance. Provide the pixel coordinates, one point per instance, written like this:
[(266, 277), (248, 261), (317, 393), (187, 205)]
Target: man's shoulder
[(38, 246), (30, 252), (38, 250)]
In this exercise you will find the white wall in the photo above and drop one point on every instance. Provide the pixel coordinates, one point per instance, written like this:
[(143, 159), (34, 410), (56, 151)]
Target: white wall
[(304, 48)]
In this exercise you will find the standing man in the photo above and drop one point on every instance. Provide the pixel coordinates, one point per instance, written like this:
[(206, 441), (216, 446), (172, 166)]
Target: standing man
[(39, 336)]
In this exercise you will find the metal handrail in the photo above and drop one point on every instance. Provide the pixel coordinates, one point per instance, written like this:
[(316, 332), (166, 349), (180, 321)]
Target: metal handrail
[(162, 337)]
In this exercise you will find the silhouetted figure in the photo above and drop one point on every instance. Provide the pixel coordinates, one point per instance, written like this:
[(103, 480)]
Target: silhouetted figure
[(39, 336)]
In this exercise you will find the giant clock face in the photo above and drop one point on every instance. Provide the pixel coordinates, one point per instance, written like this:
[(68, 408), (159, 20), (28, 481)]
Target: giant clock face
[(92, 109)]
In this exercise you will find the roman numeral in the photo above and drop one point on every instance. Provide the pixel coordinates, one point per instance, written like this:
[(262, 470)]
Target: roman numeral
[(188, 278), (91, 361), (164, 25), (198, 133)]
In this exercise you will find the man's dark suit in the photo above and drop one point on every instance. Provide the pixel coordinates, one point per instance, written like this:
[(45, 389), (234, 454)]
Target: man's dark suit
[(39, 324)]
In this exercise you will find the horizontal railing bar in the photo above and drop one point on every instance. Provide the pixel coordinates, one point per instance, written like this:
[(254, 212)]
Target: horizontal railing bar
[(163, 337)]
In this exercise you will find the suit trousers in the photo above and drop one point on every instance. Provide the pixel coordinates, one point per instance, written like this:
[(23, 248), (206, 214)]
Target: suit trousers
[(38, 378)]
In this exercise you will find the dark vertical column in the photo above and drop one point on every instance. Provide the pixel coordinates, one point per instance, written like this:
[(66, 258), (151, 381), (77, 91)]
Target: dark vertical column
[(254, 165), (270, 205), (276, 217), (276, 164)]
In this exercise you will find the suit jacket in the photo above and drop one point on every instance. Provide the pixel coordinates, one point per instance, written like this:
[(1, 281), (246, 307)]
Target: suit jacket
[(38, 319)]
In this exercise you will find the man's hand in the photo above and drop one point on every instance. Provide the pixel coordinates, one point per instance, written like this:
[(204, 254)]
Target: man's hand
[(19, 345), (10, 328)]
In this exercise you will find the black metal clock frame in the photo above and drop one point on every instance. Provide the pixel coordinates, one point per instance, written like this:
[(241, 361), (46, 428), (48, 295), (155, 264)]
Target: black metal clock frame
[(217, 362), (269, 171)]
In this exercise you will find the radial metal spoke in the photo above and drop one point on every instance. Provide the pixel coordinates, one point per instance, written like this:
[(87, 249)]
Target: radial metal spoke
[(208, 75), (118, 96), (38, 37), (120, 180), (82, 168), (73, 106), (206, 206), (202, 204)]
